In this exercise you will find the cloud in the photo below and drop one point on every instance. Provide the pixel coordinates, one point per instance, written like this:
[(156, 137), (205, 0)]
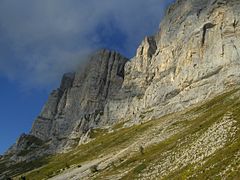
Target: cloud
[(40, 40)]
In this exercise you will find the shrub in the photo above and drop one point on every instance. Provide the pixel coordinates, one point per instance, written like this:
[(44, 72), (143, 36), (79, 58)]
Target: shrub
[(141, 149), (94, 168), (22, 178), (67, 166)]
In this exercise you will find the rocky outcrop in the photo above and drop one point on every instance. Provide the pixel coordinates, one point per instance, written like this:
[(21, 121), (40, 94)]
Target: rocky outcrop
[(194, 56), (27, 147)]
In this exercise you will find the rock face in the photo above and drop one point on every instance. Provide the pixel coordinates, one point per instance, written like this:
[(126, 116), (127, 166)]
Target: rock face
[(194, 56), (77, 106)]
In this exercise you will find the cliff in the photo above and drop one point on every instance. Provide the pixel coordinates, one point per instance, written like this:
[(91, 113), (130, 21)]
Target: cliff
[(75, 108), (194, 57)]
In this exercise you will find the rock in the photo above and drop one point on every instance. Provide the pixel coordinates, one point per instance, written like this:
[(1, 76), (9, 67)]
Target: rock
[(79, 103), (25, 148), (193, 57)]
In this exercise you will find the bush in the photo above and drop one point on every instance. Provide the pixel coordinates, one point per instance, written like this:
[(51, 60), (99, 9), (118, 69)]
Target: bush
[(67, 166), (94, 168), (141, 149), (22, 178)]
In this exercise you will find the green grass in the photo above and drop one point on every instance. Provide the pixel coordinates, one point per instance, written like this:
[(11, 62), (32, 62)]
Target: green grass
[(210, 113), (21, 168), (139, 168), (118, 125), (196, 120), (97, 133), (103, 144)]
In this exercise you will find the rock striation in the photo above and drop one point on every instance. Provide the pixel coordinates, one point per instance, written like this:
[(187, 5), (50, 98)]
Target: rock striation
[(194, 56)]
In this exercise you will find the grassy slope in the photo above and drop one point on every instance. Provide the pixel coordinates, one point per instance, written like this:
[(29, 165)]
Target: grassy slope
[(210, 113), (103, 144), (197, 121)]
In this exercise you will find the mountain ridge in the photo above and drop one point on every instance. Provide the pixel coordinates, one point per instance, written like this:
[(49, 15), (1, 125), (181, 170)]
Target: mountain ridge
[(193, 58)]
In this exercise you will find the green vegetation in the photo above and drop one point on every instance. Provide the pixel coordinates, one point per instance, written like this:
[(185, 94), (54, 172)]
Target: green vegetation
[(97, 132), (118, 125), (21, 168), (102, 145), (190, 125), (139, 168), (94, 168), (209, 113), (141, 149)]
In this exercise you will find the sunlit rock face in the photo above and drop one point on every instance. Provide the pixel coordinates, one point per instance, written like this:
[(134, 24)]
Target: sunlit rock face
[(194, 56)]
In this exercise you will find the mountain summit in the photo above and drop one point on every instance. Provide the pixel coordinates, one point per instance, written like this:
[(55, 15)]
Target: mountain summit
[(166, 113)]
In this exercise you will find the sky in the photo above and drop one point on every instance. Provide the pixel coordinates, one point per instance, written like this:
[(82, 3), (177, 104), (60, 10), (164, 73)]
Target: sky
[(41, 40)]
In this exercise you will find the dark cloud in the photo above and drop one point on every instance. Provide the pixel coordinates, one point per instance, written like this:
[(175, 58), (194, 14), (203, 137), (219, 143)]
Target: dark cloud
[(41, 39)]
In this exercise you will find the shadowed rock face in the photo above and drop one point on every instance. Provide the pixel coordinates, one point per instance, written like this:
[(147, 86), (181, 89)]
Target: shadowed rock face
[(194, 56), (79, 102), (76, 107)]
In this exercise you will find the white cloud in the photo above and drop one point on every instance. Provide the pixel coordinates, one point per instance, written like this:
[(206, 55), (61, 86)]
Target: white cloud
[(41, 39)]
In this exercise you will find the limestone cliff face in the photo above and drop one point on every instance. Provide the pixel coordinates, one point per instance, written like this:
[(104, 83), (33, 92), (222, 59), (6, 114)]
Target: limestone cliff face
[(194, 56), (76, 107), (79, 102)]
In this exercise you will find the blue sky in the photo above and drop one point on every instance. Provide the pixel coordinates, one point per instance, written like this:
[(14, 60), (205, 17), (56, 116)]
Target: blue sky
[(40, 40)]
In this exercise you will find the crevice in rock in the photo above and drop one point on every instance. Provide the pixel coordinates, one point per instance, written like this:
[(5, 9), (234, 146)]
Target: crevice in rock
[(60, 95), (120, 71), (210, 74), (103, 79), (62, 104), (235, 23), (236, 49), (205, 28), (172, 94), (44, 118), (199, 12), (223, 50), (109, 75)]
